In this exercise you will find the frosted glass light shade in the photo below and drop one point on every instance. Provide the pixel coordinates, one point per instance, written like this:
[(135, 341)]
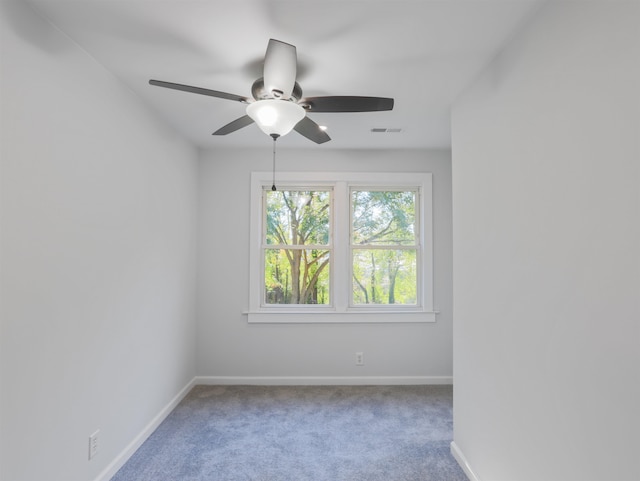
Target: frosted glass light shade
[(275, 117)]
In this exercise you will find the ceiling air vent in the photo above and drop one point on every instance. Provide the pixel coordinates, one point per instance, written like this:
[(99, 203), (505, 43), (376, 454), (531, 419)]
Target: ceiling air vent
[(386, 131)]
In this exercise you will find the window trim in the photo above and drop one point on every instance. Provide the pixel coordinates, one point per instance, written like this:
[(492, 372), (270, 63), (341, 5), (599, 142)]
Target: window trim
[(340, 311)]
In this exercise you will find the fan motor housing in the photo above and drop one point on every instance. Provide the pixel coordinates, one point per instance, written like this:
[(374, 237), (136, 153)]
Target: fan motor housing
[(259, 92)]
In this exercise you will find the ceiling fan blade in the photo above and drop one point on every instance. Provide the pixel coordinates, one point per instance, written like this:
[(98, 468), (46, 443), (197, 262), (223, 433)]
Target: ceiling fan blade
[(311, 131), (280, 68), (346, 104), (235, 125), (198, 90)]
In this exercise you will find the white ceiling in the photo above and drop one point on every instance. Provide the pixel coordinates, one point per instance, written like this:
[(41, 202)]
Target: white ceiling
[(421, 53)]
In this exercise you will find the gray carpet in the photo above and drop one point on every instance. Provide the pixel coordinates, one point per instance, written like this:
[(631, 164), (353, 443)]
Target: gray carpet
[(302, 433)]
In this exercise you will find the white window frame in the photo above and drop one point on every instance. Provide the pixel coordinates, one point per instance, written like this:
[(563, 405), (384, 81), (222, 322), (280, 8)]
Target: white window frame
[(340, 310)]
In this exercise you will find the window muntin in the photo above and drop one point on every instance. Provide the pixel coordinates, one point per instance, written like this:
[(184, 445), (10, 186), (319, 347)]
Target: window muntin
[(296, 246)]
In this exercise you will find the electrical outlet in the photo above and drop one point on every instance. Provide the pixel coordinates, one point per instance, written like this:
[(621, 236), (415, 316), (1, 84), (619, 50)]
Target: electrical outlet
[(94, 444), (359, 358)]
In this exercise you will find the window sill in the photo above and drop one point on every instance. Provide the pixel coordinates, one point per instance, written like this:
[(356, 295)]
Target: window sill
[(289, 316)]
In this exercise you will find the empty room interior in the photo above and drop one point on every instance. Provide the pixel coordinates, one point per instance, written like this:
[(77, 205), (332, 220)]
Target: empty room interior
[(468, 175)]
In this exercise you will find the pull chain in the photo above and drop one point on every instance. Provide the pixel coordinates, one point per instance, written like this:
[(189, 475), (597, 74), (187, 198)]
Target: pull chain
[(273, 186)]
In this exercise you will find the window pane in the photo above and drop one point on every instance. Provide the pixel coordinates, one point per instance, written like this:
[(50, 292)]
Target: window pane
[(297, 217), (384, 276), (296, 276), (383, 217)]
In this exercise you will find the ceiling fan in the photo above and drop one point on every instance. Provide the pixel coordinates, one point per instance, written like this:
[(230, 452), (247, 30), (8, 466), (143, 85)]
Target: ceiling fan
[(277, 106)]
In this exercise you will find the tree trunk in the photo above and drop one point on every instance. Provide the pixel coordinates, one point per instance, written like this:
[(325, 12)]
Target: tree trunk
[(295, 276), (363, 289), (373, 279), (393, 273)]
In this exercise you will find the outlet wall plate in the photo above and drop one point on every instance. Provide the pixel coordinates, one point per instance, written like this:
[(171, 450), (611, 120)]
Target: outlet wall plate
[(94, 444)]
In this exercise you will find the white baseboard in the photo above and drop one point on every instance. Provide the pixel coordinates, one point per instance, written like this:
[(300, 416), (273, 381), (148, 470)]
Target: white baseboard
[(124, 456), (462, 461), (322, 380)]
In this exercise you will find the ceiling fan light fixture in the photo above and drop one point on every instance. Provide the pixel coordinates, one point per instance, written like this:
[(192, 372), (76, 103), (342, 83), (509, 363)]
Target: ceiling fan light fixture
[(275, 117), (279, 106)]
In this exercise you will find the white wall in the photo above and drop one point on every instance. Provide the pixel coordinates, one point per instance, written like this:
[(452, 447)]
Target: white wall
[(229, 346), (546, 208), (98, 257)]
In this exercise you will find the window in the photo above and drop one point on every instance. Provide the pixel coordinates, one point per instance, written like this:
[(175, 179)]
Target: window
[(341, 247), (384, 246), (296, 246)]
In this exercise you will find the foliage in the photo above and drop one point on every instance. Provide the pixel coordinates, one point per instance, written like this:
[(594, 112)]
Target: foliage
[(384, 276), (383, 217)]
